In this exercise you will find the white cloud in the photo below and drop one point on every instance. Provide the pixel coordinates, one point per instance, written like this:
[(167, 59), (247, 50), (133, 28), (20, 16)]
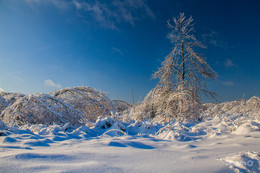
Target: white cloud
[(2, 90), (33, 1), (228, 83), (105, 13), (50, 83), (62, 4), (214, 38), (229, 63), (117, 50)]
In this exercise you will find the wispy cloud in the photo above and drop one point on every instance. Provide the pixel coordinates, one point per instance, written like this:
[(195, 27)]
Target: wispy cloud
[(110, 13), (62, 4), (106, 13), (214, 38), (228, 83), (50, 83), (229, 63), (119, 51)]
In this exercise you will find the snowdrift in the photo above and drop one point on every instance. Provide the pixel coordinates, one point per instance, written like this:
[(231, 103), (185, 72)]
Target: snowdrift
[(243, 161), (90, 101), (41, 109), (51, 134)]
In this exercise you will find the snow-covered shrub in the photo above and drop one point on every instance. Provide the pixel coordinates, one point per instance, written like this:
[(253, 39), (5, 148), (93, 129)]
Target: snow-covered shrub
[(250, 107), (110, 126), (10, 98), (140, 112), (90, 101), (104, 122), (3, 104), (121, 105), (41, 109), (166, 105)]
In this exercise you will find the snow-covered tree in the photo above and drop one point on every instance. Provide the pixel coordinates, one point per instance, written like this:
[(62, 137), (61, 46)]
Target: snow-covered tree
[(183, 72)]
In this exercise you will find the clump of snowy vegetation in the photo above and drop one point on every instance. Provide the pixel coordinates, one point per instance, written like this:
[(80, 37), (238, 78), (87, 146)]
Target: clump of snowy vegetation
[(11, 97), (91, 102), (109, 137), (121, 106), (249, 107), (166, 106), (41, 109), (3, 104)]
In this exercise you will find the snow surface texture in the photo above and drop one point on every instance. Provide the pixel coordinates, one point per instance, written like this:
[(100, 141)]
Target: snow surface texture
[(90, 101), (244, 161), (54, 136), (110, 145)]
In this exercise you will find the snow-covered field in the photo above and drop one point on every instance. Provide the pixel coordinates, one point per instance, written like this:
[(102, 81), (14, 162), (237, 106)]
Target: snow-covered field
[(225, 143)]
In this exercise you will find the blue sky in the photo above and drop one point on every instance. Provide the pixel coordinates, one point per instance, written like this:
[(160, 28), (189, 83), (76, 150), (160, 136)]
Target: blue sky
[(117, 45)]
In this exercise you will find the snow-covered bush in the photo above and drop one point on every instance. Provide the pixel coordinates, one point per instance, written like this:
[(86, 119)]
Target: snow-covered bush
[(109, 126), (163, 105), (10, 98), (104, 122), (3, 104), (90, 101), (121, 105), (250, 107), (41, 109)]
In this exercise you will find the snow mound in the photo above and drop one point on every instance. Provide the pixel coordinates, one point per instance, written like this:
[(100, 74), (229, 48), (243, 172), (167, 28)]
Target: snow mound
[(41, 109), (244, 162), (237, 124), (143, 128), (247, 128), (179, 131), (109, 126), (104, 122), (3, 104), (90, 101), (250, 107)]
